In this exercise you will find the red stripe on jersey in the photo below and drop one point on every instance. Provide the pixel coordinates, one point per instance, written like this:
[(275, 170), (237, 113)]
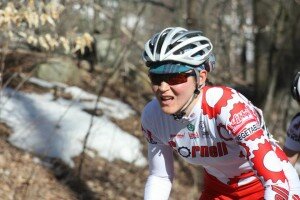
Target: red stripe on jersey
[(296, 197), (282, 193), (258, 134)]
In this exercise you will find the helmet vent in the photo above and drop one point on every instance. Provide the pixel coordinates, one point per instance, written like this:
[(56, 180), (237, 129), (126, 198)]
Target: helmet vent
[(201, 52), (184, 49), (160, 43), (203, 42)]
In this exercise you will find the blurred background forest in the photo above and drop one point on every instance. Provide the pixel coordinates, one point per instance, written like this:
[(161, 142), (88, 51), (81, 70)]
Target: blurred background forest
[(97, 45)]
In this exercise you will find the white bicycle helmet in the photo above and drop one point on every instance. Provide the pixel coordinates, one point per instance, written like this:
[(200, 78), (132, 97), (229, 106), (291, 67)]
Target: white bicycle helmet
[(178, 46), (296, 87)]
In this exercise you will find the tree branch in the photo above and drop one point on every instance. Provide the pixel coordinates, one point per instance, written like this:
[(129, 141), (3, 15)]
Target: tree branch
[(157, 3)]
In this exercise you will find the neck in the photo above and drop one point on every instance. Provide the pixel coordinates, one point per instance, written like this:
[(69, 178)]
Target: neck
[(190, 107), (187, 109)]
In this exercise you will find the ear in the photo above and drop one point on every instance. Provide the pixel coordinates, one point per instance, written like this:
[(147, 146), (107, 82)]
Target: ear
[(202, 77)]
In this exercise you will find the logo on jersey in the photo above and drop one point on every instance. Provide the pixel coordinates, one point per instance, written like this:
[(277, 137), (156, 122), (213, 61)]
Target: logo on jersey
[(193, 135), (241, 115), (178, 135), (247, 132), (184, 151), (148, 136), (218, 150), (172, 144), (190, 127)]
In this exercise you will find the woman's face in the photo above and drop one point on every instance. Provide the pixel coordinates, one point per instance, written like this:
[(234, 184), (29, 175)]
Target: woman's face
[(173, 97)]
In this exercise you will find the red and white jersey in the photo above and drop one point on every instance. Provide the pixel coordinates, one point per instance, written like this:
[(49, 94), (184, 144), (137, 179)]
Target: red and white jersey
[(293, 134), (225, 134)]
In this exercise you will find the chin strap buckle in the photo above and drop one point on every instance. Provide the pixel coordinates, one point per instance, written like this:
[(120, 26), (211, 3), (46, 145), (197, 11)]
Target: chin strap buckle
[(179, 115), (197, 91)]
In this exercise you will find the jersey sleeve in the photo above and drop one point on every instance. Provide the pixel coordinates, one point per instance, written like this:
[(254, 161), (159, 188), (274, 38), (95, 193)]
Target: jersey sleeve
[(290, 173), (292, 141), (245, 123), (160, 160), (161, 172)]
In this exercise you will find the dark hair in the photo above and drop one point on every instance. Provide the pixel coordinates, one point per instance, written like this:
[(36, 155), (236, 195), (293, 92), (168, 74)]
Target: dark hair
[(294, 87), (208, 82)]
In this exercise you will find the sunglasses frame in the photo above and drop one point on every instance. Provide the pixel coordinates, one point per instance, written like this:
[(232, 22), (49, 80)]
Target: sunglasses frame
[(171, 79)]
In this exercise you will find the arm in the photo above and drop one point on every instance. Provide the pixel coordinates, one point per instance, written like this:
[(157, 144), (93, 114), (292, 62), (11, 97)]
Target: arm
[(266, 164), (246, 125), (292, 142), (292, 155), (267, 159), (290, 173), (160, 159), (161, 172), (248, 128)]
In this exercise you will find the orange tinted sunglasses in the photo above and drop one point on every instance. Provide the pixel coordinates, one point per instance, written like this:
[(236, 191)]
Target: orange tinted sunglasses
[(171, 79)]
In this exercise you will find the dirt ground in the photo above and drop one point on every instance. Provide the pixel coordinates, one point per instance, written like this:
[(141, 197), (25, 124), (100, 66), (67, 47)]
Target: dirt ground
[(24, 177)]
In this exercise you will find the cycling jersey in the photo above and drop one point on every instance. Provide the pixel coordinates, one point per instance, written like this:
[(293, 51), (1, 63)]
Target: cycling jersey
[(293, 134), (225, 134)]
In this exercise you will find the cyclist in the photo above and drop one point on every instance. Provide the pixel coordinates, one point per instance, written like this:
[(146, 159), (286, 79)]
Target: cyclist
[(292, 143), (212, 126)]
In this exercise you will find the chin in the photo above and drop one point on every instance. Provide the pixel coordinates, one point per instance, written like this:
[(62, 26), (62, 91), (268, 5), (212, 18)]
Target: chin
[(168, 110)]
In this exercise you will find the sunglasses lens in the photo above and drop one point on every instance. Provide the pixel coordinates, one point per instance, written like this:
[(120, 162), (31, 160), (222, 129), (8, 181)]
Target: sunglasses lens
[(156, 79), (171, 79), (177, 79)]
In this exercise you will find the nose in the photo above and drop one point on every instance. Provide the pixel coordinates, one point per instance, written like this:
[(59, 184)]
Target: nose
[(163, 86)]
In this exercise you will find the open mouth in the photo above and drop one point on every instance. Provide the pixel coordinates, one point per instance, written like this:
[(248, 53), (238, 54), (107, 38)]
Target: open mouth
[(166, 99)]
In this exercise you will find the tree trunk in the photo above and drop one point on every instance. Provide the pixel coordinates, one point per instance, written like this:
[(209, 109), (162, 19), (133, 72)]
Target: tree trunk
[(261, 51), (191, 13)]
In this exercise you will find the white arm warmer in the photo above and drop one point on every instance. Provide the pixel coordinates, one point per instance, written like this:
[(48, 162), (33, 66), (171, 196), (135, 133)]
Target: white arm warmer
[(157, 188), (159, 182)]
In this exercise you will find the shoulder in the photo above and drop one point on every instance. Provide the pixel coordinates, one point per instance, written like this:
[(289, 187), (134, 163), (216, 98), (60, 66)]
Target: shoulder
[(151, 111), (222, 99), (221, 96), (296, 117), (216, 93), (151, 108), (295, 123), (151, 116)]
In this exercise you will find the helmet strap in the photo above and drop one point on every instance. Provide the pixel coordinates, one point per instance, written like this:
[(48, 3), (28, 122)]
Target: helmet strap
[(179, 115)]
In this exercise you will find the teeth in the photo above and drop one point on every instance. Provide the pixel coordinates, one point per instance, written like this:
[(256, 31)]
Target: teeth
[(166, 98)]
